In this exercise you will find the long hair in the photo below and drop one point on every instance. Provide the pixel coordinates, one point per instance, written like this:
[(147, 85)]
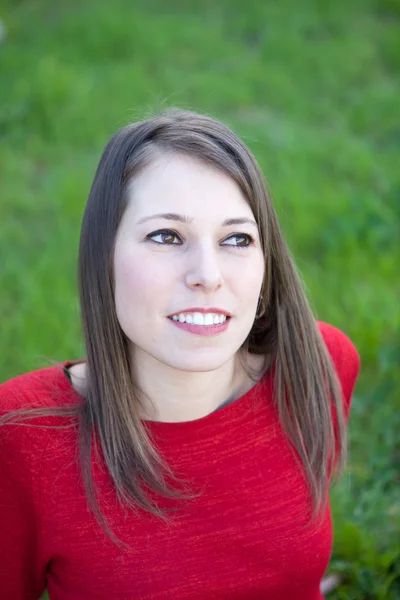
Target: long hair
[(305, 384)]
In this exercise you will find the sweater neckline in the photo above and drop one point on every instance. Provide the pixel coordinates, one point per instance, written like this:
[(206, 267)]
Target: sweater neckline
[(222, 416)]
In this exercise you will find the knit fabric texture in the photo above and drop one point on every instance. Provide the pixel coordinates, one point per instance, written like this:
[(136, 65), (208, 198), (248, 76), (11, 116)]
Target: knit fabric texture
[(243, 538)]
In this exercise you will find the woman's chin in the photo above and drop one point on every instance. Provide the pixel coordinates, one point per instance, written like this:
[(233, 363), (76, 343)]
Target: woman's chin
[(197, 363)]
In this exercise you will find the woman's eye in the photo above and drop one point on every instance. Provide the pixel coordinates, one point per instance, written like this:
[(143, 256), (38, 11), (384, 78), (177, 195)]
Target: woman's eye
[(243, 240), (165, 237)]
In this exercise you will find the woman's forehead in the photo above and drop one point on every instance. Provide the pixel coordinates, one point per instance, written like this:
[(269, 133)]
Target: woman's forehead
[(183, 185)]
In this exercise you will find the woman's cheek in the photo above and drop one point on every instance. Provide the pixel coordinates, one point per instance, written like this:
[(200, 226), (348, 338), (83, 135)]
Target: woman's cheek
[(139, 282)]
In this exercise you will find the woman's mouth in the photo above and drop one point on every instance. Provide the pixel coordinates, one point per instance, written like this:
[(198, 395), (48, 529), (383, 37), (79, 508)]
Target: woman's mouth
[(201, 323)]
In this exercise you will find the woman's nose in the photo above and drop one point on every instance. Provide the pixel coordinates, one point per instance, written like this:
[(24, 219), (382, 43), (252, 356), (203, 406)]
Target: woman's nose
[(204, 269)]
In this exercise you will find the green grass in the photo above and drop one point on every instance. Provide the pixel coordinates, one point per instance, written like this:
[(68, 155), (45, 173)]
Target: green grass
[(313, 88)]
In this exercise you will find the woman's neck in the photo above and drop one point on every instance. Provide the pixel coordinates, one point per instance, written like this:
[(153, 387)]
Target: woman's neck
[(169, 395)]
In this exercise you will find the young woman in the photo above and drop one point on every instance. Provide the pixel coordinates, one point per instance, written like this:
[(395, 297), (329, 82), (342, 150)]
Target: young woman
[(190, 455)]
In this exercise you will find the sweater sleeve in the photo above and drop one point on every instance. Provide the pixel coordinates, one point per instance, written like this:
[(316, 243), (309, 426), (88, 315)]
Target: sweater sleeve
[(21, 448)]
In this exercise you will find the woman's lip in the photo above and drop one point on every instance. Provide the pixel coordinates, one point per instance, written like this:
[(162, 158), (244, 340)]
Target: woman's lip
[(218, 311), (205, 330)]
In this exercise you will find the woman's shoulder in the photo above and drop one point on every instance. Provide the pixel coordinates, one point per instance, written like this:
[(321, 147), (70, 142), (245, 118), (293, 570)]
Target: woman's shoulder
[(342, 349), (344, 355), (47, 387), (31, 423)]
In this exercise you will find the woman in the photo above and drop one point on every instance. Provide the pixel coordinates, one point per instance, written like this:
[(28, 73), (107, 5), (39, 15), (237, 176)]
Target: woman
[(190, 455)]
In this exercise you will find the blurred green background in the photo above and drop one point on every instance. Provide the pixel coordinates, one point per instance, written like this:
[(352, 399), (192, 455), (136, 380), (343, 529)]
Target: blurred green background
[(313, 89)]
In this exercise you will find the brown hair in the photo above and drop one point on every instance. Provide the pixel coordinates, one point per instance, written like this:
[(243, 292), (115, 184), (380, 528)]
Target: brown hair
[(305, 382)]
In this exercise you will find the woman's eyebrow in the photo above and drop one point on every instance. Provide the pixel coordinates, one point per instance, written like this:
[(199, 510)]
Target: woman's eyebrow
[(186, 219)]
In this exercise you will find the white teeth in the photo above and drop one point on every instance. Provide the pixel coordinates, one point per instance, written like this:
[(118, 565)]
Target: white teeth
[(200, 319)]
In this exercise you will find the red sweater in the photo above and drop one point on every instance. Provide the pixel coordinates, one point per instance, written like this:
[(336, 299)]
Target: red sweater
[(241, 539)]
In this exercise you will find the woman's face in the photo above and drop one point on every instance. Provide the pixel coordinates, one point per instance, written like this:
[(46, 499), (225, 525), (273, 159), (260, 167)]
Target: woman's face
[(191, 258)]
